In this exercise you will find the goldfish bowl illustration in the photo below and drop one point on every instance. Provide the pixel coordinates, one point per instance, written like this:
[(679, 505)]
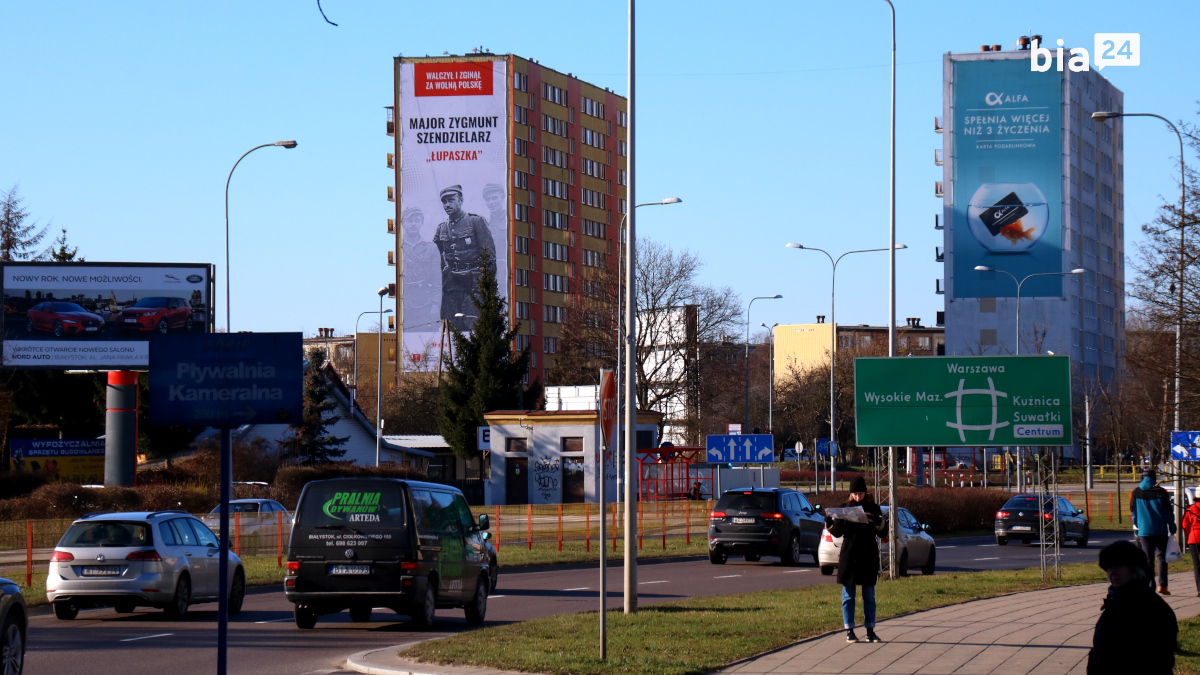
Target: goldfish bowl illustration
[(1008, 217)]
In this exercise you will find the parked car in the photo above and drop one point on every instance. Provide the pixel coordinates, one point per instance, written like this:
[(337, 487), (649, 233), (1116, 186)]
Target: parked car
[(61, 319), (753, 522), (256, 515), (917, 548), (410, 546), (156, 313), (14, 628), (1018, 519), (164, 559)]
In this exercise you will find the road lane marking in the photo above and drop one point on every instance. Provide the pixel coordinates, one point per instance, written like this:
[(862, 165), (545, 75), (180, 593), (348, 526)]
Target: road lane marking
[(652, 582), (146, 637), (947, 547), (568, 590), (493, 597), (728, 576), (795, 571), (987, 559), (275, 620)]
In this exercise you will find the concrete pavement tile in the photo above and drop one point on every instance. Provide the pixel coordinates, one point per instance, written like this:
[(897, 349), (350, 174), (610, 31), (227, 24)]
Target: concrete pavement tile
[(1061, 661), (952, 659), (1023, 661)]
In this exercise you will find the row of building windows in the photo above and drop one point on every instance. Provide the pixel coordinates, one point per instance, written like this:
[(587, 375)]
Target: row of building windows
[(592, 138), (553, 125), (554, 314), (554, 157), (521, 309), (554, 188), (554, 282), (551, 346), (554, 94), (521, 180), (522, 277), (591, 288), (592, 168), (552, 251), (521, 244), (521, 114), (554, 219), (595, 229), (593, 258), (520, 82), (521, 212), (590, 107), (593, 198), (521, 147)]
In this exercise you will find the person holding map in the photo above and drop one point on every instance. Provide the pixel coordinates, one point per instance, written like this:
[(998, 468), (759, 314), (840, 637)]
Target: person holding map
[(858, 562)]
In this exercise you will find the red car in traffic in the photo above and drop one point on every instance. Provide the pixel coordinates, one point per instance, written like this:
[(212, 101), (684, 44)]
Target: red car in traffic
[(62, 318), (160, 314)]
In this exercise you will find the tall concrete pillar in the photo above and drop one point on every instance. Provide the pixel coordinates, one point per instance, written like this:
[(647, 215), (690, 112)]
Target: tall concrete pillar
[(120, 428)]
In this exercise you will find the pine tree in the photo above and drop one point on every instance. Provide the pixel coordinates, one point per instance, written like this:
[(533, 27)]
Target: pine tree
[(311, 442), (484, 375), (16, 238), (60, 252)]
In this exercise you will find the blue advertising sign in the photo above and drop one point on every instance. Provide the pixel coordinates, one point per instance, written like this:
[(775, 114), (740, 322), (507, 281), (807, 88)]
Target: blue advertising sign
[(741, 448), (1184, 445), (1006, 151), (71, 460), (225, 380)]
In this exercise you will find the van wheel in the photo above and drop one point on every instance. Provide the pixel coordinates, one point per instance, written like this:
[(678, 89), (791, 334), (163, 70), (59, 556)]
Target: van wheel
[(717, 558), (424, 614), (305, 617), (360, 614), (827, 570), (477, 609), (178, 607), (65, 611)]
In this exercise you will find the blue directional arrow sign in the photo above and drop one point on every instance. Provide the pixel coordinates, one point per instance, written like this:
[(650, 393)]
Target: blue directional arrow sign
[(226, 380), (741, 448), (1184, 445)]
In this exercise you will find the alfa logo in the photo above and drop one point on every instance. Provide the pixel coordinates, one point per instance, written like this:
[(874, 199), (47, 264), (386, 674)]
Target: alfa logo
[(958, 395), (998, 99)]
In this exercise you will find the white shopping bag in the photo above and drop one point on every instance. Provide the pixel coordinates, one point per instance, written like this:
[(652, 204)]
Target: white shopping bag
[(1173, 554)]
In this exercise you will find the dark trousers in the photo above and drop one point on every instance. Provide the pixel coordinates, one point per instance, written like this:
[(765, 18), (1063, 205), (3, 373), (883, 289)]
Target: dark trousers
[(1194, 549), (1149, 546)]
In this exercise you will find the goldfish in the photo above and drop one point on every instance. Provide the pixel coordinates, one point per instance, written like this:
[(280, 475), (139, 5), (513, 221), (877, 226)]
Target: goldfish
[(1016, 232)]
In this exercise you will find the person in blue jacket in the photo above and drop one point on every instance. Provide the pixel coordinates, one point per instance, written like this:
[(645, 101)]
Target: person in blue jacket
[(1151, 512)]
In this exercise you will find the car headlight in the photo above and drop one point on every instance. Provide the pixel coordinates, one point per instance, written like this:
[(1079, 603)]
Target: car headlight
[(69, 321)]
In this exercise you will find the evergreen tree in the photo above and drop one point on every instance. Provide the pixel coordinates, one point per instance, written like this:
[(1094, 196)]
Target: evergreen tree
[(59, 251), (484, 375), (311, 442), (16, 238)]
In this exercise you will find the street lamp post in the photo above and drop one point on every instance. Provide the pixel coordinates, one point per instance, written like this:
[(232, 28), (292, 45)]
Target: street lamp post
[(354, 392), (282, 144), (833, 345), (771, 391), (379, 379), (1101, 116), (746, 418)]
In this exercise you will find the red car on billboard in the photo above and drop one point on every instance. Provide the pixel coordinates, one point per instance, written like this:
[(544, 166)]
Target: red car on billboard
[(157, 313), (62, 318)]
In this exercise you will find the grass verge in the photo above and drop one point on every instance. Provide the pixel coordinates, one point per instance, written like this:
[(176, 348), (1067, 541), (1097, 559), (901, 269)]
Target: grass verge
[(702, 634), (1187, 651)]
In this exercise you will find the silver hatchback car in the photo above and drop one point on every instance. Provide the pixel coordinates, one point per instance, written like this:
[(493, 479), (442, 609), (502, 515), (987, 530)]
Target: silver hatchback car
[(165, 559)]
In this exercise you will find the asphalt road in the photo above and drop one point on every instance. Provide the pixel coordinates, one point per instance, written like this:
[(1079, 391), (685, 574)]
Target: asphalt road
[(264, 641)]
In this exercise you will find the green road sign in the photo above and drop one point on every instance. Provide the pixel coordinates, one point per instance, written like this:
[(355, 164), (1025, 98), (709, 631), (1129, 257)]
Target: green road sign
[(963, 400)]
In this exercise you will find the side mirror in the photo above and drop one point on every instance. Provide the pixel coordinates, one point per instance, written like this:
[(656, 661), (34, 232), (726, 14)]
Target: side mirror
[(484, 523), (924, 527), (816, 507), (486, 536)]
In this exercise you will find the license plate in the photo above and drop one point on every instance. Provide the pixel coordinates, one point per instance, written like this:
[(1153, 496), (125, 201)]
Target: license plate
[(90, 328), (106, 571), (338, 570), (743, 521), (1022, 528), (130, 320)]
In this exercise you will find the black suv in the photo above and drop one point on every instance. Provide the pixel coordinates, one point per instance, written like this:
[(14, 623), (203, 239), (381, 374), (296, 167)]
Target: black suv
[(410, 546), (1019, 519), (754, 522)]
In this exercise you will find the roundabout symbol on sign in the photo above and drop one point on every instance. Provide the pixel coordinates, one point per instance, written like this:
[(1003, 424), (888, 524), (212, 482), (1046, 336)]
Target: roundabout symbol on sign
[(958, 394)]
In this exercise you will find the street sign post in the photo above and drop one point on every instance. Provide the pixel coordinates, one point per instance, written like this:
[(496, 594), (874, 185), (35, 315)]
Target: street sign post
[(226, 380), (1185, 446), (741, 448), (963, 400)]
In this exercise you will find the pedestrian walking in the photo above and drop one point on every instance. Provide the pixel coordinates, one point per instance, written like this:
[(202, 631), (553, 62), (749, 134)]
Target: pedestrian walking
[(858, 561), (1152, 515), (1136, 631), (1191, 528)]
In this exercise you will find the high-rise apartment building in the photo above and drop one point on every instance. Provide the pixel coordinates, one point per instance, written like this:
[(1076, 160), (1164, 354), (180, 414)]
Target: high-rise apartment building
[(1032, 185), (498, 153)]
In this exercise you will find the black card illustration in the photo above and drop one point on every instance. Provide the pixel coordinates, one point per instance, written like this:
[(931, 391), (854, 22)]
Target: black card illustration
[(1006, 212)]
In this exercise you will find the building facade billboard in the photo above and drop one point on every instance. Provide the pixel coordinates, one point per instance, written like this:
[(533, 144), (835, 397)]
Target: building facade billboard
[(98, 316), (1006, 199), (453, 201)]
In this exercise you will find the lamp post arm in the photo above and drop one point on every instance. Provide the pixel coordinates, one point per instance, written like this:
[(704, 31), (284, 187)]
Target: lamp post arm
[(228, 329)]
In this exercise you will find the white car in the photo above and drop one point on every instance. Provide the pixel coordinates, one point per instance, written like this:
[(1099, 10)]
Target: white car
[(917, 548), (254, 515)]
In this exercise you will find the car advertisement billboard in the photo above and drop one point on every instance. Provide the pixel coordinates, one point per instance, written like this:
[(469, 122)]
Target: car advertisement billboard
[(1006, 149), (453, 201), (70, 460), (98, 316)]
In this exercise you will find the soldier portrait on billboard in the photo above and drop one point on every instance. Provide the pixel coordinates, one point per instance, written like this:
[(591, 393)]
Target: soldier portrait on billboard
[(422, 274), (461, 241), (493, 196)]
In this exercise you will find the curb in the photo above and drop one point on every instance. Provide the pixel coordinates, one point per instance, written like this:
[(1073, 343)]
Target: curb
[(358, 663), (362, 663)]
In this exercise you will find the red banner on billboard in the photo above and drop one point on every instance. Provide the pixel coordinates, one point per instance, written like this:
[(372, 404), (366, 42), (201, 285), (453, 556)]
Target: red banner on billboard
[(608, 403), (453, 79)]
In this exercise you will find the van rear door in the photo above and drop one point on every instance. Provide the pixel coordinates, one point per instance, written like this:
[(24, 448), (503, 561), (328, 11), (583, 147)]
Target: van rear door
[(350, 536)]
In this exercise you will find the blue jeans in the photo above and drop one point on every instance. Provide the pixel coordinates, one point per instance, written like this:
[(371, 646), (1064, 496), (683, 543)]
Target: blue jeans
[(868, 595)]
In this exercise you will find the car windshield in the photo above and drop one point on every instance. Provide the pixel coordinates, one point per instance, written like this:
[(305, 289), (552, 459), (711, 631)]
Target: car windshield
[(744, 501), (67, 307), (151, 303), (237, 507), (106, 533), (1024, 502), (352, 505)]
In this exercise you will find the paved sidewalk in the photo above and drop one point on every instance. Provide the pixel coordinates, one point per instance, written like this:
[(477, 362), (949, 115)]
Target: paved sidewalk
[(1035, 632)]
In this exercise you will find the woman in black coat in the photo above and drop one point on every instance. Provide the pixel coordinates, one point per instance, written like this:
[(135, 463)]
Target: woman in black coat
[(858, 562)]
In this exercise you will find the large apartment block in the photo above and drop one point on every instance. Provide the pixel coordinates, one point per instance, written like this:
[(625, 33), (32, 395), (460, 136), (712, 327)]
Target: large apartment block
[(499, 153)]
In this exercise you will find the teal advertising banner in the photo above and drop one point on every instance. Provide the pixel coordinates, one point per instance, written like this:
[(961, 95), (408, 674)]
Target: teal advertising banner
[(1007, 173)]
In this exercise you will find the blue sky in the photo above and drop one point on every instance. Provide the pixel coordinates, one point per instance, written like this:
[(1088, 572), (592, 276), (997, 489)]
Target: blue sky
[(769, 119)]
